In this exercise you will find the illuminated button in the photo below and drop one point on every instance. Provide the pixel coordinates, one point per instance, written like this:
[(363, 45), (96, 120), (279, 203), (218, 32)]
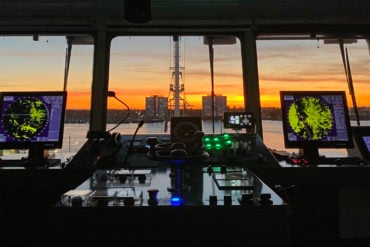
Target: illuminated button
[(176, 201), (218, 146)]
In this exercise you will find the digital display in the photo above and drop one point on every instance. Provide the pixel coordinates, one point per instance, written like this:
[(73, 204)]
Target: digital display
[(32, 118), (238, 120), (315, 117)]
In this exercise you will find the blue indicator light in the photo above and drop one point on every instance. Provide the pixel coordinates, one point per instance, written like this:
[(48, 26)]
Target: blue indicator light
[(176, 201), (177, 161)]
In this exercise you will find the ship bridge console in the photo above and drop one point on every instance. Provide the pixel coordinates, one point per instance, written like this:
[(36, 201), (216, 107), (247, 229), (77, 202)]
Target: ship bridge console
[(168, 185)]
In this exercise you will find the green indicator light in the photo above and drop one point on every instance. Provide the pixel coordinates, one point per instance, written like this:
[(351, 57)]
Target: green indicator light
[(209, 146), (218, 146), (215, 139)]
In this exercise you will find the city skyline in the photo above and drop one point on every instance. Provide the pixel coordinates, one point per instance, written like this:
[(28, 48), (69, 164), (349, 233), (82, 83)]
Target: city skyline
[(140, 67)]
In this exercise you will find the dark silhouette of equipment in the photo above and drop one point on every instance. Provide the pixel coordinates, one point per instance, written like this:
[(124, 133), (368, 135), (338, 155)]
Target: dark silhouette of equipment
[(113, 94), (138, 11), (185, 145)]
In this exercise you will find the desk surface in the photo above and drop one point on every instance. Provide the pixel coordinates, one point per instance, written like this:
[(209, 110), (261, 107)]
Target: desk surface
[(191, 185), (209, 208)]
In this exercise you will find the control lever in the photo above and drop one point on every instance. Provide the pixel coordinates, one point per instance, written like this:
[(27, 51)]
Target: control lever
[(286, 192)]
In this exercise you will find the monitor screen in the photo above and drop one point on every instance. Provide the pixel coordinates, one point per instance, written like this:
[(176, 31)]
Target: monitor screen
[(361, 136), (238, 120), (32, 120), (315, 119), (366, 140)]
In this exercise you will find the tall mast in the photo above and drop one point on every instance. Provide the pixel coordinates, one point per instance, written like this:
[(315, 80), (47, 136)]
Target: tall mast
[(175, 87)]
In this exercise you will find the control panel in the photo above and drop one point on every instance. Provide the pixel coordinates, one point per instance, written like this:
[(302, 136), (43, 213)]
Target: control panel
[(172, 186), (166, 189), (212, 169), (236, 149)]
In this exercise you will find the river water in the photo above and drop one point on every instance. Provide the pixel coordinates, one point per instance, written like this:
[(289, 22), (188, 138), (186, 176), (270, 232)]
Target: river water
[(75, 134)]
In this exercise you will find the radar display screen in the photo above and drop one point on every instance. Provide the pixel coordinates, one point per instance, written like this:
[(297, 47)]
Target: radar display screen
[(366, 140), (29, 118), (315, 116), (361, 136)]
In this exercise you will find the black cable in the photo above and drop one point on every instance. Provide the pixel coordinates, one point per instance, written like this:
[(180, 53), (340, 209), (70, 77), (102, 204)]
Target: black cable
[(131, 147), (113, 94)]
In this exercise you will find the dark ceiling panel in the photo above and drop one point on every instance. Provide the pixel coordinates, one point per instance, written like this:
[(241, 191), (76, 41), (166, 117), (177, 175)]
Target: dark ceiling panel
[(263, 16)]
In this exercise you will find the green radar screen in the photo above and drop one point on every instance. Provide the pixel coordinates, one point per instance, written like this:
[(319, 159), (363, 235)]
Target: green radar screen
[(25, 118), (310, 118)]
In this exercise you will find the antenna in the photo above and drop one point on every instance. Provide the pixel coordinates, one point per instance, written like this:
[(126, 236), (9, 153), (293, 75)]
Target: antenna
[(176, 88), (210, 41)]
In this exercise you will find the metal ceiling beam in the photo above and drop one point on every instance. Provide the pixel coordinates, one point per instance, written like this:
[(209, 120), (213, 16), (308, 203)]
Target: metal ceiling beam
[(268, 17)]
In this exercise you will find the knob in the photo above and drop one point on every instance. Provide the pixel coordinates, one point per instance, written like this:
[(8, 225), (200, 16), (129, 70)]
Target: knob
[(178, 145), (178, 152), (141, 178), (128, 201), (209, 169), (122, 179), (212, 200), (103, 178), (152, 142), (246, 199), (76, 201), (153, 200), (227, 200), (265, 199)]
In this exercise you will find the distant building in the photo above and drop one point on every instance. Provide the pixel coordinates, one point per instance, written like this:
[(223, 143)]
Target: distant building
[(156, 107), (219, 108)]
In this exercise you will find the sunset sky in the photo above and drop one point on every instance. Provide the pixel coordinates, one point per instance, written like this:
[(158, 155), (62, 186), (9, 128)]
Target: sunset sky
[(141, 66)]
